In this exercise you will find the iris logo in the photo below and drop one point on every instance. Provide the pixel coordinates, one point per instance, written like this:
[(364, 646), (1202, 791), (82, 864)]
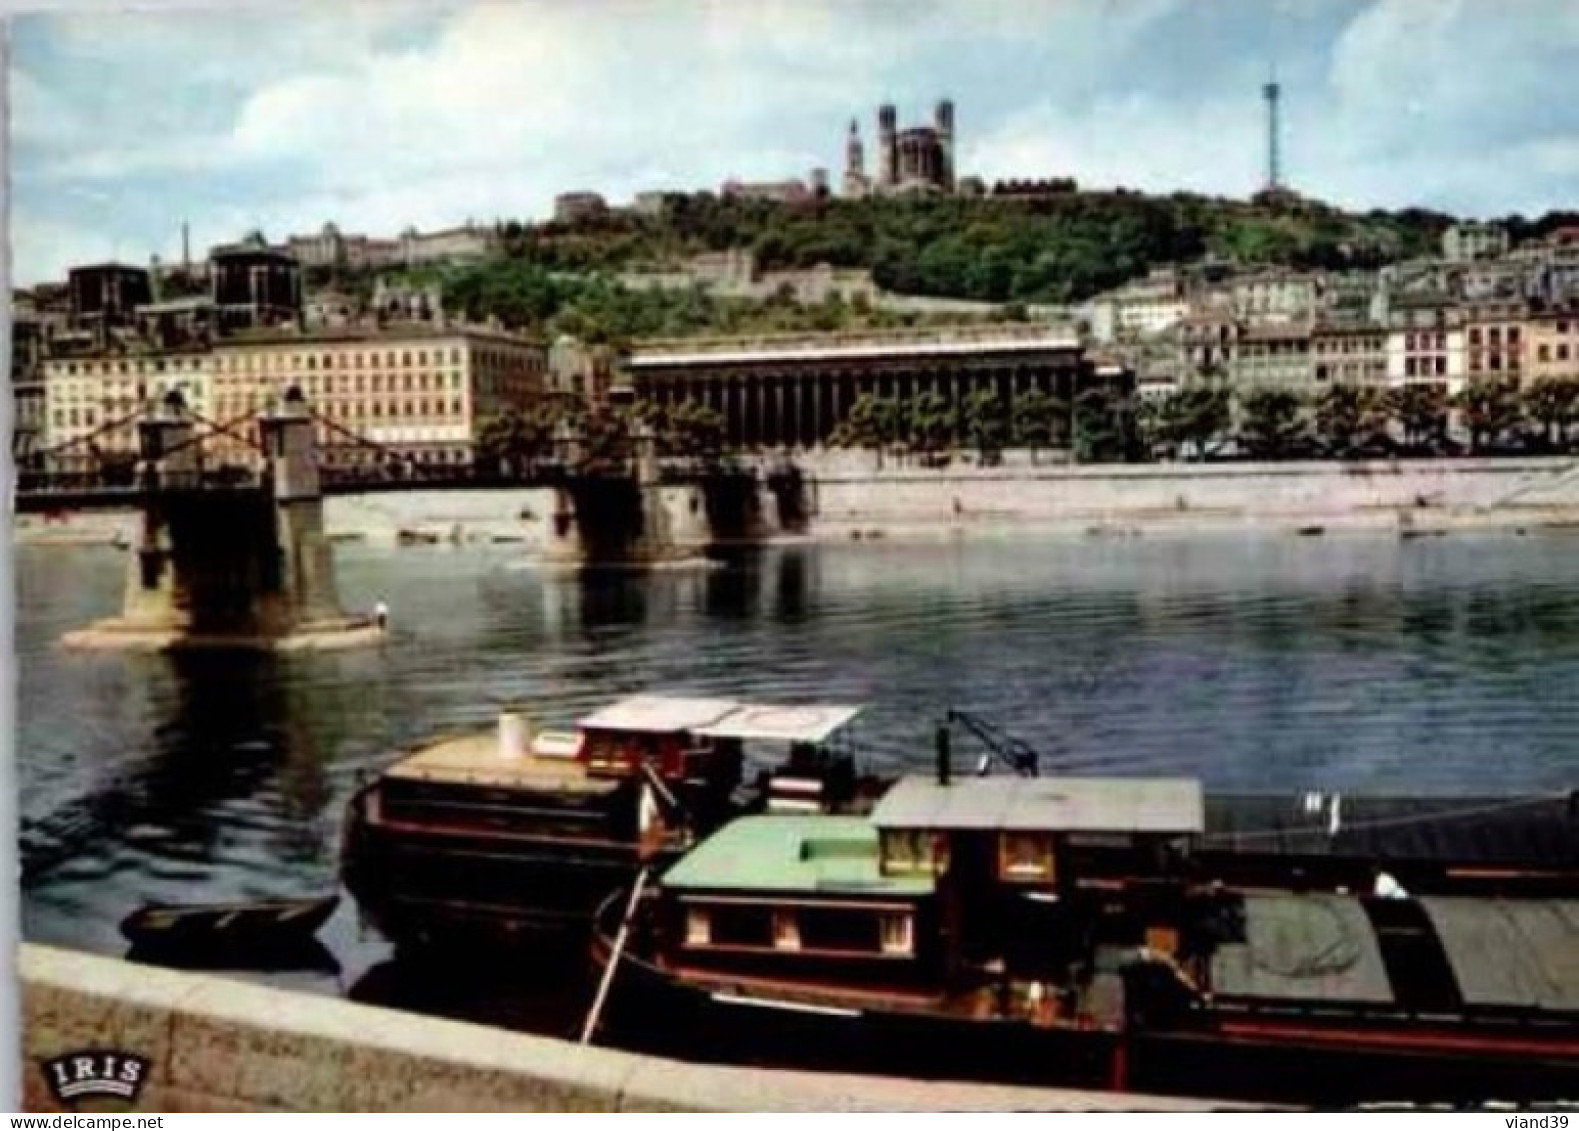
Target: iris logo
[(96, 1072)]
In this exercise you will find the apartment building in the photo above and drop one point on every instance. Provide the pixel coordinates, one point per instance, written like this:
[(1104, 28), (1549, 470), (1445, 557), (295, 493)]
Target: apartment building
[(420, 394)]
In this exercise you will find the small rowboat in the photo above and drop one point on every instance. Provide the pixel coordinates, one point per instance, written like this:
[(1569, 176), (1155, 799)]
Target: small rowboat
[(240, 926)]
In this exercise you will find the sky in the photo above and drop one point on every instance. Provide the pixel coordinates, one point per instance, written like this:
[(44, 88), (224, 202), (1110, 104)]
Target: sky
[(383, 115)]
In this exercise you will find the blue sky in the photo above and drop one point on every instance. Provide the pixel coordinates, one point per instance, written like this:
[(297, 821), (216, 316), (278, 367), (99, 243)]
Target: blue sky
[(388, 114)]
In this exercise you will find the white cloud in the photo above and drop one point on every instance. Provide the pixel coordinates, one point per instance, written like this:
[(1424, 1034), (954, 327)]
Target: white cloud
[(379, 115)]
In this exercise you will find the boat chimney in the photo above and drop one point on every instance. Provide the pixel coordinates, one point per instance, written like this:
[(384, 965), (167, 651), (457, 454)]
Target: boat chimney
[(515, 736), (943, 754)]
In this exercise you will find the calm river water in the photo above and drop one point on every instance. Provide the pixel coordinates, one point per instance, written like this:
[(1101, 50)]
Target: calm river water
[(1353, 661)]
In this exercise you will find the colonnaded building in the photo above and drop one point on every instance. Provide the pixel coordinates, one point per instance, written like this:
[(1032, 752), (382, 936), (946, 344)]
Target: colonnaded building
[(792, 391)]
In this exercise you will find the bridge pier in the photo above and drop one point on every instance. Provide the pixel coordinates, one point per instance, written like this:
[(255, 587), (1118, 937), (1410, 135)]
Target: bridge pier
[(643, 520), (237, 567)]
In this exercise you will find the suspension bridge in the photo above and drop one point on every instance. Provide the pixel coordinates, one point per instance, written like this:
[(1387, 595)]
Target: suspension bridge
[(231, 549)]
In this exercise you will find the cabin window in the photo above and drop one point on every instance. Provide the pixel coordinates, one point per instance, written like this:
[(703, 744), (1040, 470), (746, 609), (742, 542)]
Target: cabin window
[(1025, 856), (913, 851), (698, 927), (786, 931), (741, 926), (898, 933), (838, 929)]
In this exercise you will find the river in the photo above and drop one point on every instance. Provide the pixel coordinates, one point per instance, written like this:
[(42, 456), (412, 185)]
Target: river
[(1354, 662)]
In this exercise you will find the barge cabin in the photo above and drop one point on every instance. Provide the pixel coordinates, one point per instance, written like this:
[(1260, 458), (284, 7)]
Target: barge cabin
[(507, 835), (1047, 931)]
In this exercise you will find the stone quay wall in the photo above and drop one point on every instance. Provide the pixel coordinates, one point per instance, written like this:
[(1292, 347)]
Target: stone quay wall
[(850, 492), (219, 1045)]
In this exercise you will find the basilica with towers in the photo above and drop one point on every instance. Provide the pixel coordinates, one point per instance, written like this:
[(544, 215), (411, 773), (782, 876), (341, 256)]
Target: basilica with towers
[(918, 159)]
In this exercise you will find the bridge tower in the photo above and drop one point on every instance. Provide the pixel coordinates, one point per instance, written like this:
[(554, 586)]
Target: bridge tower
[(229, 565)]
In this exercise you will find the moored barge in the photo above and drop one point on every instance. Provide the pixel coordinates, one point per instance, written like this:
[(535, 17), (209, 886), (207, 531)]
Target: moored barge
[(1056, 931), (504, 835)]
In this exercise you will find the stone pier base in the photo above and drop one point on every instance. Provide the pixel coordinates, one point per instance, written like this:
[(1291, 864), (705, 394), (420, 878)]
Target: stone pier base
[(119, 634)]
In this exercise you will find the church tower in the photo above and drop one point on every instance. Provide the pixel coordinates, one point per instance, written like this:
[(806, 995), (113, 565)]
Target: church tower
[(944, 123), (855, 183), (887, 146)]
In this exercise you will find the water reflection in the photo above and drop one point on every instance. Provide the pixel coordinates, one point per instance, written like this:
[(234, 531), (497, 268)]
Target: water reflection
[(1347, 662)]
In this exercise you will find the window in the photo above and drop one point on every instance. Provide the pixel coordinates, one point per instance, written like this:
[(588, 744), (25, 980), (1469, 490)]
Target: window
[(1543, 352), (786, 931), (698, 927), (1441, 366), (1562, 351), (741, 926), (897, 933), (1474, 335), (906, 851), (1025, 856), (840, 929)]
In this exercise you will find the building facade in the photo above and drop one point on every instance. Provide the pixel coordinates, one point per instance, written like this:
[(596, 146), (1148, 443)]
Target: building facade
[(1348, 354), (93, 400), (1494, 340), (794, 391), (1275, 296), (415, 394), (1426, 355), (1275, 354), (1468, 241), (575, 207), (1139, 309), (918, 159), (1551, 346)]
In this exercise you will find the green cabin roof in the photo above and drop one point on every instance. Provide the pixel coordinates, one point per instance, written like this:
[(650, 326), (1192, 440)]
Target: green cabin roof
[(792, 854)]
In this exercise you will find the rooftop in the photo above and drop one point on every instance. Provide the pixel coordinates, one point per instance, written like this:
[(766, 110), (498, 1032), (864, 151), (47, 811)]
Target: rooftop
[(722, 718), (784, 724), (1000, 338), (803, 854), (658, 714), (1053, 804), (476, 759)]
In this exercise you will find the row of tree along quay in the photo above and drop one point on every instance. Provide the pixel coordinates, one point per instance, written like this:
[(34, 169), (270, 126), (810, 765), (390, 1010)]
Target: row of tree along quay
[(1199, 421)]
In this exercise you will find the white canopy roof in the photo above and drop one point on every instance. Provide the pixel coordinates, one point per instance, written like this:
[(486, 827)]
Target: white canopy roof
[(658, 714), (812, 723), (721, 718)]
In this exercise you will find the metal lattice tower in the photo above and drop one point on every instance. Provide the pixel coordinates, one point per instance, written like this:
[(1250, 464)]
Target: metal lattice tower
[(1274, 165)]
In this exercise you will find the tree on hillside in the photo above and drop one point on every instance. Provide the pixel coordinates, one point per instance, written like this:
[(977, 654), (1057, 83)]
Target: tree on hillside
[(1194, 419), (1350, 419), (987, 424), (512, 443), (1272, 423), (694, 430), (931, 424), (1038, 418), (1553, 403), (1491, 409), (1104, 426), (1421, 412), (877, 423)]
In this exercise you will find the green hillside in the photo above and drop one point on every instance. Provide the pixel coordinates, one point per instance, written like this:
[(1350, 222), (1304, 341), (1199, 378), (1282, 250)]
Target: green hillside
[(1059, 248)]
